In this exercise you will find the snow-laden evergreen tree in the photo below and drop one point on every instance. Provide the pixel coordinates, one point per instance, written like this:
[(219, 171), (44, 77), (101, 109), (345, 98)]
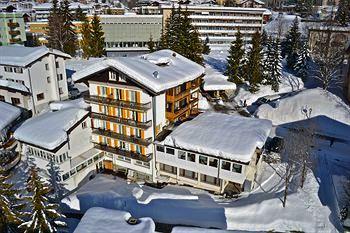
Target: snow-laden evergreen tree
[(276, 66), (151, 45), (264, 38), (304, 7), (243, 69), (206, 48), (267, 56), (85, 43), (302, 63), (234, 59), (79, 15), (97, 38), (343, 13), (55, 181), (44, 215), (291, 44), (255, 75), (54, 27), (11, 205), (70, 38)]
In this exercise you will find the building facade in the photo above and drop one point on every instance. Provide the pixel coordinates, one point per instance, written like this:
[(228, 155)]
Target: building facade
[(132, 100), (32, 77), (219, 24), (12, 28)]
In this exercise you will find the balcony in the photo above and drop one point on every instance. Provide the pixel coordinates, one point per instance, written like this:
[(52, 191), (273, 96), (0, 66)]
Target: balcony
[(15, 40), (118, 103), (14, 32), (132, 139), (129, 122), (118, 151), (181, 95), (13, 25)]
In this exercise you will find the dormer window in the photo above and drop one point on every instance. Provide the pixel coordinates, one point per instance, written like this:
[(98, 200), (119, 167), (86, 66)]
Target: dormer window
[(113, 76)]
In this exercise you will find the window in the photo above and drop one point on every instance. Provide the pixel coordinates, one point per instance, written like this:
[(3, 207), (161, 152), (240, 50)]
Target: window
[(237, 168), (8, 69), (15, 101), (57, 64), (2, 98), (48, 79), (168, 168), (181, 154), (47, 66), (60, 90), (59, 77), (170, 151), (191, 157), (40, 96), (188, 174), (113, 76), (203, 160), (209, 179), (160, 148), (83, 125), (213, 162), (226, 165), (19, 70), (65, 176)]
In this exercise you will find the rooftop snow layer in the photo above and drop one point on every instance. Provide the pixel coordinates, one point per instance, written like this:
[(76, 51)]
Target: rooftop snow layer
[(13, 85), (158, 71), (77, 103), (227, 136), (101, 220), (321, 103), (36, 131), (16, 55), (8, 113)]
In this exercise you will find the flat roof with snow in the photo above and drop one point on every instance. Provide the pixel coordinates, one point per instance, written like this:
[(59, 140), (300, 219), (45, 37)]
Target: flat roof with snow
[(49, 130), (215, 80), (101, 220), (8, 114), (222, 135), (158, 71), (17, 55)]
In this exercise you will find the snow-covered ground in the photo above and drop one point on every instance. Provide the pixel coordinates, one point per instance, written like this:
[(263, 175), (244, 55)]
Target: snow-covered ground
[(292, 109)]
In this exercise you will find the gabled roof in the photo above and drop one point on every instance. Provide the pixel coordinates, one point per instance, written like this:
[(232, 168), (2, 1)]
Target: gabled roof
[(9, 85), (8, 113), (17, 55), (158, 71), (50, 130)]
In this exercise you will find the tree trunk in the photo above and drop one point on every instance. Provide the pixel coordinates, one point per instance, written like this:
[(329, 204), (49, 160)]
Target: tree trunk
[(303, 174), (286, 189)]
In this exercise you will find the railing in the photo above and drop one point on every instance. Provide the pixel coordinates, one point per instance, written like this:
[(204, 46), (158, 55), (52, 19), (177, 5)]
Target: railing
[(181, 95), (118, 103), (12, 25), (119, 151), (135, 140), (14, 32), (142, 125), (15, 40)]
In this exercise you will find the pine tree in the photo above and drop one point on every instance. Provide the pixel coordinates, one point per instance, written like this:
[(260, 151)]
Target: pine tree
[(255, 63), (264, 38), (86, 41), (302, 63), (291, 44), (80, 15), (276, 66), (44, 216), (151, 45), (55, 181), (10, 205), (343, 13), (97, 38), (268, 56), (206, 48), (54, 26), (234, 59), (70, 44), (304, 7)]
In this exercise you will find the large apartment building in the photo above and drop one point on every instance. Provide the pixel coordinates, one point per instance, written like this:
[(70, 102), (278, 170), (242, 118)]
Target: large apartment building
[(132, 99), (219, 24), (12, 28), (32, 77)]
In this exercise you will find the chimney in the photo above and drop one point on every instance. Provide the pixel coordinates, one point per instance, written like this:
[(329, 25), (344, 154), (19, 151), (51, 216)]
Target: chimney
[(156, 74)]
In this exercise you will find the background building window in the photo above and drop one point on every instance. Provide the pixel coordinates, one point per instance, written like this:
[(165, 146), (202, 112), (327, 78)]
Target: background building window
[(203, 160), (213, 162), (40, 96), (48, 79), (181, 154), (226, 165), (15, 101), (170, 151), (191, 157), (237, 168), (60, 90)]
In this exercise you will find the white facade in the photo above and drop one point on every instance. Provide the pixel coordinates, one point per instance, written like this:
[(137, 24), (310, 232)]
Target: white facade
[(35, 85), (76, 158)]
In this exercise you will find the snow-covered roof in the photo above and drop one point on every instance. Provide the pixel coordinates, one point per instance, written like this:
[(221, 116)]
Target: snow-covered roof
[(215, 80), (321, 103), (227, 136), (13, 85), (157, 71), (101, 220), (77, 103), (36, 131), (8, 113), (16, 55)]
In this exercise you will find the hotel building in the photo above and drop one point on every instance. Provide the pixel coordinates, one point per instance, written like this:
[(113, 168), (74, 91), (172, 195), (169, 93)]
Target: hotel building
[(132, 99)]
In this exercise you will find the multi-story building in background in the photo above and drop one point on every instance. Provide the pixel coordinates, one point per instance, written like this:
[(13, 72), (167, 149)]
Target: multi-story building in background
[(219, 24), (32, 77), (132, 99), (12, 28)]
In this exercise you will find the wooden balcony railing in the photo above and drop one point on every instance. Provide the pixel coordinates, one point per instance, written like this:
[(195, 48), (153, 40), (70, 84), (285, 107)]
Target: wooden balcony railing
[(14, 32), (132, 139), (129, 122), (118, 103), (15, 40), (119, 151), (12, 25)]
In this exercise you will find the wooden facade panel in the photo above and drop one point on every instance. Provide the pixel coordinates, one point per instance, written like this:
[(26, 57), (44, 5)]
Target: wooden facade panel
[(98, 90), (138, 97)]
